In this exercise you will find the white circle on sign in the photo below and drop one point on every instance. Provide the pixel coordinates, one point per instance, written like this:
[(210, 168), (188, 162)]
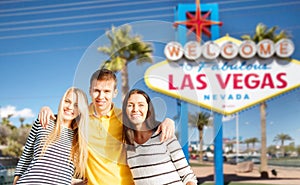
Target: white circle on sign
[(173, 51), (284, 48), (229, 50), (192, 50), (210, 50), (247, 49), (265, 48)]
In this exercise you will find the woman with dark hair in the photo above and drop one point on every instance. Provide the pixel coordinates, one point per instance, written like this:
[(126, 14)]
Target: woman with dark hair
[(150, 160)]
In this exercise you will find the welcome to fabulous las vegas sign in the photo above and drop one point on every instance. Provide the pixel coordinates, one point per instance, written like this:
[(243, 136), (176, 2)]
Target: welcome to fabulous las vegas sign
[(226, 75)]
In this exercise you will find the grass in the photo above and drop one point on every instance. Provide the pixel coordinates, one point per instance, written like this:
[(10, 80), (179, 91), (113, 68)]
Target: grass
[(292, 162)]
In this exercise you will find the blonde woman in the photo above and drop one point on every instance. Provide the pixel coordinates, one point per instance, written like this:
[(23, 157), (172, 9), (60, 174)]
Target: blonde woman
[(50, 155)]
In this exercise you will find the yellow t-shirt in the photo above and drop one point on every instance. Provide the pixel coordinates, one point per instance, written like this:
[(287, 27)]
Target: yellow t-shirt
[(107, 157)]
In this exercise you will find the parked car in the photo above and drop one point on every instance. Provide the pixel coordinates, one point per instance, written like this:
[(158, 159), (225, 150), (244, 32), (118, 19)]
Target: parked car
[(254, 159), (236, 159), (196, 157), (3, 173), (6, 174)]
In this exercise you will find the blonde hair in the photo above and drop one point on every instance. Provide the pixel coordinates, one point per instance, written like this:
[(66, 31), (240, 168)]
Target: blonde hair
[(79, 151)]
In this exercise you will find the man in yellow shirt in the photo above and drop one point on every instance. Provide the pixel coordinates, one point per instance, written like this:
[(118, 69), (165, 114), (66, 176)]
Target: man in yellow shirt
[(107, 157)]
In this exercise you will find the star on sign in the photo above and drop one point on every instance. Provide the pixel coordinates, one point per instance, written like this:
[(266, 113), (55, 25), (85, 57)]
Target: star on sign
[(198, 23)]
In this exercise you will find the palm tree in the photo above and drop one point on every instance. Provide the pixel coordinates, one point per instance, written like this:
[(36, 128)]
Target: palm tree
[(21, 119), (263, 155), (200, 120), (247, 142), (229, 145), (5, 119), (282, 138), (5, 132), (123, 49), (262, 32), (253, 140)]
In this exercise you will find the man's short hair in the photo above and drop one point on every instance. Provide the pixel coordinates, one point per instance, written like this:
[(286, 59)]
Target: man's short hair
[(103, 75)]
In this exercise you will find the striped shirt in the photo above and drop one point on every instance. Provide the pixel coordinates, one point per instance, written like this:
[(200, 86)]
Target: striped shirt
[(54, 166), (158, 163)]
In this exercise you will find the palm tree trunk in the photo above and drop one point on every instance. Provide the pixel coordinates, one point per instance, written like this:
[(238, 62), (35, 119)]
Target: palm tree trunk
[(282, 147), (201, 146), (124, 76), (263, 157)]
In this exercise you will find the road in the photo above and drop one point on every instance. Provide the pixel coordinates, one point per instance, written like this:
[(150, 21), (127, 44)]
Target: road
[(285, 175)]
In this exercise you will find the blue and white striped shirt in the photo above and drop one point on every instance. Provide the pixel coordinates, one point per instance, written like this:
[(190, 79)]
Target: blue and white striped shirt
[(53, 167), (156, 162)]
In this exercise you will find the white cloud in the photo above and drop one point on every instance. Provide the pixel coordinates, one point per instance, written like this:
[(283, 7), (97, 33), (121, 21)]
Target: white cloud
[(25, 113), (228, 118), (5, 111), (9, 109)]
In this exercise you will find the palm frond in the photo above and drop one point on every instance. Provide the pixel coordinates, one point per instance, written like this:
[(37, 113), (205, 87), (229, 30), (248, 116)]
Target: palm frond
[(262, 32), (283, 34), (246, 37), (115, 64), (199, 119)]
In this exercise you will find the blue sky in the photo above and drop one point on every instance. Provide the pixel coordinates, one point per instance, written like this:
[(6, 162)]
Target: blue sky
[(44, 45)]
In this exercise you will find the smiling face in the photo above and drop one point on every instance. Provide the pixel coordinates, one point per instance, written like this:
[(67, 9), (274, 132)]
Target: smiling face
[(137, 109), (102, 92), (70, 107)]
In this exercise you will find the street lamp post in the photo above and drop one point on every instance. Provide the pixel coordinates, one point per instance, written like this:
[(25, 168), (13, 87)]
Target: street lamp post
[(237, 136)]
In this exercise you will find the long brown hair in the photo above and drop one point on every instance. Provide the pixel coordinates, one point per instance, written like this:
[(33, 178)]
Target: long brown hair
[(79, 151), (128, 127)]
